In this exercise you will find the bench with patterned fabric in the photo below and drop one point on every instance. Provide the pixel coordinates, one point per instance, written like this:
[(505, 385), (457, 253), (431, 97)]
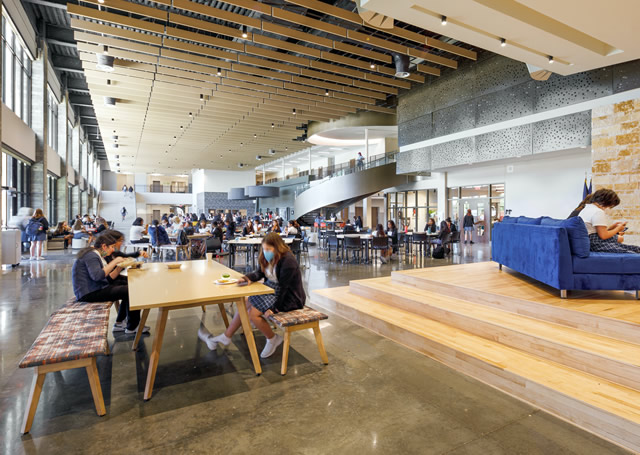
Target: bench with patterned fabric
[(293, 321), (72, 338)]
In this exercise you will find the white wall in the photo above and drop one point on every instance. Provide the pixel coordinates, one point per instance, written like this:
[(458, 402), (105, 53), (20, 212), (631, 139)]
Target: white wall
[(213, 181), (17, 134)]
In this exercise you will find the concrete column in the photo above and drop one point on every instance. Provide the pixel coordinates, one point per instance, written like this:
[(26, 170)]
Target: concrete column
[(366, 144), (283, 171), (62, 187), (40, 125), (309, 161), (62, 198), (443, 203)]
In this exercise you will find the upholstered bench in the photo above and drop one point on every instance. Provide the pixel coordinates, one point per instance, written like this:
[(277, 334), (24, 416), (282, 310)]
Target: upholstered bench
[(72, 338), (293, 321)]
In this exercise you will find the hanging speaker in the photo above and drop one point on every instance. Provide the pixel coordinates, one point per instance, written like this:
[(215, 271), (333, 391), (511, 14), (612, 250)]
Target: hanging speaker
[(401, 61)]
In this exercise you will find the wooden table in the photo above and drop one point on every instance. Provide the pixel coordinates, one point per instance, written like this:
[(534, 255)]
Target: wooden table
[(156, 286), (366, 240)]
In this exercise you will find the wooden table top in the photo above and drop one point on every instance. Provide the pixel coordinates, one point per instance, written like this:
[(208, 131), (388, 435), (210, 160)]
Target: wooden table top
[(361, 236), (154, 285)]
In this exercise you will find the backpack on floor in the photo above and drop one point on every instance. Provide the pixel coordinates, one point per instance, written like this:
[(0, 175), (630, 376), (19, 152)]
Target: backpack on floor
[(182, 238), (438, 252)]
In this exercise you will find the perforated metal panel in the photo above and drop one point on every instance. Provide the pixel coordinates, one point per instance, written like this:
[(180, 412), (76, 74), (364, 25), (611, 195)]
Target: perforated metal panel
[(454, 119), (561, 91), (505, 143), (562, 133), (418, 160), (506, 104), (454, 153), (416, 130), (497, 74), (626, 76)]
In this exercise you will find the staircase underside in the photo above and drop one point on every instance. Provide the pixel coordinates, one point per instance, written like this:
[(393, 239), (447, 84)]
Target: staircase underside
[(578, 358)]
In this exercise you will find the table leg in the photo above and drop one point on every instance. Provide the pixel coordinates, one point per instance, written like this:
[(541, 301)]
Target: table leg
[(155, 352), (248, 333), (143, 320)]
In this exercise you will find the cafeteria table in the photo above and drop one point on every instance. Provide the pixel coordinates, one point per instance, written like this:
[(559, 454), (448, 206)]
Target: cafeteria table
[(154, 285), (366, 241), (254, 244)]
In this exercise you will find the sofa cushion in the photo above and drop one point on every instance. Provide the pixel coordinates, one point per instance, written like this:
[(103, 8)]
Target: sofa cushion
[(509, 219), (608, 264), (577, 232), (527, 220)]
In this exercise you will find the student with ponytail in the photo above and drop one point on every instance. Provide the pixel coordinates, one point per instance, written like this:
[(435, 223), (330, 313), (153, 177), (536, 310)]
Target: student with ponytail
[(90, 276), (603, 237)]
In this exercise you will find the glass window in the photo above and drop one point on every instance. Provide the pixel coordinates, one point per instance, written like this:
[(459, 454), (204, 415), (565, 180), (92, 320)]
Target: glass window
[(422, 199), (497, 190), (52, 106), (15, 174), (16, 73)]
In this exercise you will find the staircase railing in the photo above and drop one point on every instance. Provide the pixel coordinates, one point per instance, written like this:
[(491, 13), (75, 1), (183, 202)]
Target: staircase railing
[(375, 161)]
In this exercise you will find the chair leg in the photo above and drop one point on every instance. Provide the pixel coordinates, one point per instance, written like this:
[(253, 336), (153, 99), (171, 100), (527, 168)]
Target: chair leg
[(320, 342), (96, 390), (285, 351), (637, 295), (223, 313), (34, 397), (563, 293)]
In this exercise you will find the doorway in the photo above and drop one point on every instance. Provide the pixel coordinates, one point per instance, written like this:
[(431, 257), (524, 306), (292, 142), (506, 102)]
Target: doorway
[(479, 208)]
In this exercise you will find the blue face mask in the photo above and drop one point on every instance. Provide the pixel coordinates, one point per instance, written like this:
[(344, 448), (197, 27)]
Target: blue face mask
[(268, 255)]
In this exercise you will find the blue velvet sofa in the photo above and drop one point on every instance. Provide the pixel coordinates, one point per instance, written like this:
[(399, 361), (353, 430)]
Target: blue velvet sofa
[(556, 252)]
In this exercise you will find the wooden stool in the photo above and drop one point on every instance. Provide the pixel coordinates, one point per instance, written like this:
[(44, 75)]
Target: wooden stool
[(293, 321)]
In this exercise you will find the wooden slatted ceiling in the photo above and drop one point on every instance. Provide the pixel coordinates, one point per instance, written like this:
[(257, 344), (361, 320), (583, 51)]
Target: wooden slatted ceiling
[(162, 71)]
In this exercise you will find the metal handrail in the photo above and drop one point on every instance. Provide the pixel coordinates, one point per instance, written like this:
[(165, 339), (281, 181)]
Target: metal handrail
[(375, 161)]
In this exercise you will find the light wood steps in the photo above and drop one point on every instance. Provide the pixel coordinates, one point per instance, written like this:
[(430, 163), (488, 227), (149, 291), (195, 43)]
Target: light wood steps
[(603, 407), (515, 293), (615, 360)]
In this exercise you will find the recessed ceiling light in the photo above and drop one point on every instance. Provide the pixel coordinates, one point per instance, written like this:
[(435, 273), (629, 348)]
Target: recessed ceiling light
[(372, 66), (294, 111), (244, 32), (109, 101), (191, 114), (273, 125), (443, 20), (219, 73), (326, 93), (201, 97)]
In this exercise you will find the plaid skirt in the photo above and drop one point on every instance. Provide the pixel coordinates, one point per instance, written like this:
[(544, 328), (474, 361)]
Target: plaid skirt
[(611, 245), (266, 302)]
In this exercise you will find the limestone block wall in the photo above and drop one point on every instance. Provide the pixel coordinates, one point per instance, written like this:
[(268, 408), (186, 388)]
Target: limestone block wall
[(616, 159)]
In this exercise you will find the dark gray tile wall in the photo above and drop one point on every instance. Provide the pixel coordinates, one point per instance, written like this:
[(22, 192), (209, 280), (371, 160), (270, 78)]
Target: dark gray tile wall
[(219, 201), (493, 90)]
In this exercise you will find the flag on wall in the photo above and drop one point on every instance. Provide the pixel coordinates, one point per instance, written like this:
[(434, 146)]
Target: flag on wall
[(586, 190)]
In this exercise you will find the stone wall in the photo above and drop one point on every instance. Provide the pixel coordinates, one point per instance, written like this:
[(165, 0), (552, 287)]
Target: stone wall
[(616, 159), (219, 201)]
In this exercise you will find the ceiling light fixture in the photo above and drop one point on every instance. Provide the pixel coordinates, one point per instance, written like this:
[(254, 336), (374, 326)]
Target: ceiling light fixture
[(100, 1), (105, 50), (258, 157), (326, 93), (181, 127), (108, 81), (503, 42), (294, 111), (273, 125), (255, 135), (401, 62), (244, 32), (201, 97), (443, 20), (191, 114), (372, 66), (219, 73), (550, 59)]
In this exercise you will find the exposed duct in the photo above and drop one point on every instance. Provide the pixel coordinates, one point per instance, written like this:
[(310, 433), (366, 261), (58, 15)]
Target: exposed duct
[(401, 62)]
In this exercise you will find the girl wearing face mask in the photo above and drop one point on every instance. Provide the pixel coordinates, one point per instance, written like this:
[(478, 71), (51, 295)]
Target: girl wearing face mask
[(280, 271), (90, 284)]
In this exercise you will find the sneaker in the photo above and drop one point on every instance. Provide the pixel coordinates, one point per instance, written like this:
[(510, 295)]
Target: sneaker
[(472, 242), (222, 338), (205, 336), (41, 258), (271, 346), (145, 330), (119, 326)]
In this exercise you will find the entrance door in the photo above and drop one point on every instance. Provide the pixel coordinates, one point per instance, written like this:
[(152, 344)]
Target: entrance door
[(481, 213), (374, 217), (156, 215)]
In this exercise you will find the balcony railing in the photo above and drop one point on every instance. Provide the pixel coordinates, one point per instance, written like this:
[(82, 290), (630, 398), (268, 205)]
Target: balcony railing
[(182, 189), (336, 170), (348, 168)]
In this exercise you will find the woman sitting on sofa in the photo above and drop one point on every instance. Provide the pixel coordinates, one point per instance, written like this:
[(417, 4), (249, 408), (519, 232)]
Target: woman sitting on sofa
[(603, 237)]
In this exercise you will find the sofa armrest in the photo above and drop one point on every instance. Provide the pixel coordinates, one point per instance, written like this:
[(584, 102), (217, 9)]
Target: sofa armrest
[(540, 252)]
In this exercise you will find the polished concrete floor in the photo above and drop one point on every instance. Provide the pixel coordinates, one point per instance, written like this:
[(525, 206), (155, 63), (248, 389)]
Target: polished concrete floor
[(375, 396)]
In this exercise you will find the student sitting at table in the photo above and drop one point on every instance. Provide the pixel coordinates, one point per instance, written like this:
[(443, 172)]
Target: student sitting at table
[(384, 254), (229, 230), (158, 234), (216, 231), (275, 227), (203, 228), (280, 270), (291, 230), (119, 238), (137, 232), (248, 229), (431, 227), (63, 231), (392, 233), (176, 226), (89, 277), (79, 231)]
